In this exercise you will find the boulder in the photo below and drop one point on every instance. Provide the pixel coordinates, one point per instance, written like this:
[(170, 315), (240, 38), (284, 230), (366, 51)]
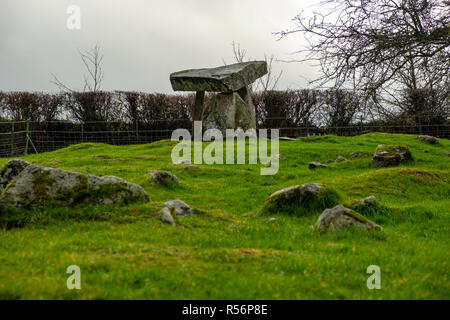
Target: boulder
[(308, 195), (389, 155), (293, 194), (428, 139), (340, 159), (37, 186), (179, 208), (340, 217), (314, 165), (161, 177)]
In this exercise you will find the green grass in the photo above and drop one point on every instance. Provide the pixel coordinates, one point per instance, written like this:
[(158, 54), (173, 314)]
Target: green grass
[(228, 251)]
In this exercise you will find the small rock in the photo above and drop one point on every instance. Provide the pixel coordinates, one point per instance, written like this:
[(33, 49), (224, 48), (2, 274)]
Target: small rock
[(340, 217), (182, 162), (161, 177), (271, 219), (425, 151), (280, 157), (314, 165), (192, 168), (340, 159), (179, 208), (390, 155), (355, 154), (165, 215), (428, 139), (370, 201), (286, 139), (330, 160), (447, 153)]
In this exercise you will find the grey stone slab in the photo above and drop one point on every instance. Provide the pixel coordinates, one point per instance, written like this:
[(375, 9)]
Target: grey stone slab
[(221, 79)]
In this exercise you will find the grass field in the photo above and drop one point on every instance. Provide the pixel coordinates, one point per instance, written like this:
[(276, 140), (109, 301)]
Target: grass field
[(227, 252)]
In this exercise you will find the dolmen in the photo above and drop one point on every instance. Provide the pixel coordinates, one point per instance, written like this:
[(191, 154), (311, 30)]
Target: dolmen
[(231, 107)]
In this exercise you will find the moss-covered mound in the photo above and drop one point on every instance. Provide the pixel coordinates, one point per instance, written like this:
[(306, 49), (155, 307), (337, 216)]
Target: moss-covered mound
[(390, 155), (301, 200), (37, 186)]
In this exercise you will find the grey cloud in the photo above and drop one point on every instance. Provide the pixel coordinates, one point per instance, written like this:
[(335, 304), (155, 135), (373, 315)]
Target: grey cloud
[(143, 41)]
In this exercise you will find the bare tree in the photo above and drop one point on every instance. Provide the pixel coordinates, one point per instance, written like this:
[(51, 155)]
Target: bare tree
[(91, 104), (270, 80), (93, 62), (374, 43), (240, 55)]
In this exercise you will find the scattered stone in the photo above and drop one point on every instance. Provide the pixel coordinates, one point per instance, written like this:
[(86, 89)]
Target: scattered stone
[(191, 169), (36, 186), (182, 162), (340, 217), (11, 170), (161, 177), (370, 201), (280, 157), (179, 208), (293, 194), (340, 159), (286, 139), (308, 194), (390, 155), (314, 165), (330, 160), (355, 154), (425, 151), (165, 215), (272, 219), (428, 139), (447, 153)]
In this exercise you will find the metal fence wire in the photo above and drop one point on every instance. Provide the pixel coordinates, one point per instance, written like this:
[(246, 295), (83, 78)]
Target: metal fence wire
[(24, 137)]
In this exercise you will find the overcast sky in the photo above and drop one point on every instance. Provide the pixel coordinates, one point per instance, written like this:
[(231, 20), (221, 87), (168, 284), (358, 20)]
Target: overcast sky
[(143, 41)]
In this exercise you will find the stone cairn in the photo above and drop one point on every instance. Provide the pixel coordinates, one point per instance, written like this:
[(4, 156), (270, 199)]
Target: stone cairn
[(232, 106)]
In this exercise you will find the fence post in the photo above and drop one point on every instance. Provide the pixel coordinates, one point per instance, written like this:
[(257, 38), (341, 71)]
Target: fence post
[(137, 131), (12, 138), (420, 125), (361, 125), (82, 132), (27, 137)]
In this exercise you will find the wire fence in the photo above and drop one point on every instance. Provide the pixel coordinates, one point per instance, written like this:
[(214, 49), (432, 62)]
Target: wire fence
[(24, 137)]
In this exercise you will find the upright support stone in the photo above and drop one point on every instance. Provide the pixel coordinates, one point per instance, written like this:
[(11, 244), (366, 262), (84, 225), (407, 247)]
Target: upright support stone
[(245, 94), (197, 114)]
